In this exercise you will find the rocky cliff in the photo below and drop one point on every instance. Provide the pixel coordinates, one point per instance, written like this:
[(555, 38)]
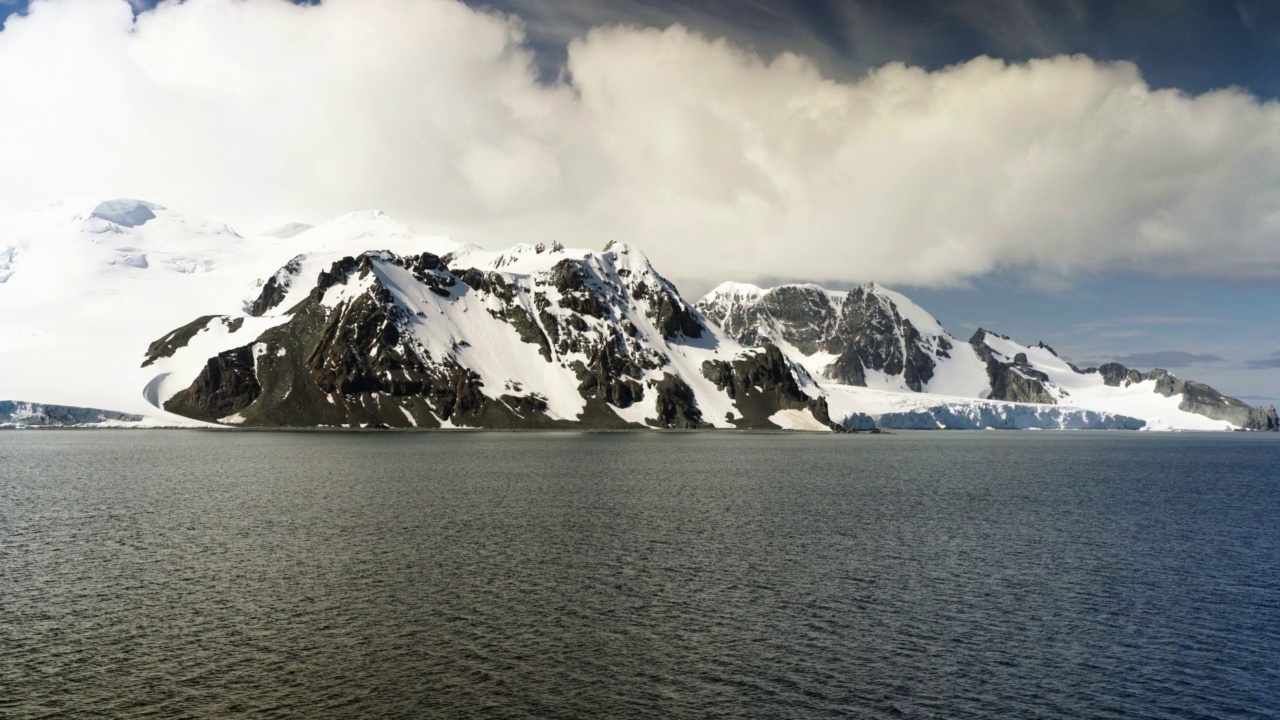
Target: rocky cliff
[(875, 338), (549, 339)]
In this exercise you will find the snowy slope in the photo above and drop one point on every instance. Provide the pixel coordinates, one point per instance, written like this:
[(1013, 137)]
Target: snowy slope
[(87, 286), (1088, 390)]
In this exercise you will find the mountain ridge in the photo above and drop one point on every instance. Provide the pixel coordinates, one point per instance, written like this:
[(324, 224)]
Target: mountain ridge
[(363, 321), (873, 337)]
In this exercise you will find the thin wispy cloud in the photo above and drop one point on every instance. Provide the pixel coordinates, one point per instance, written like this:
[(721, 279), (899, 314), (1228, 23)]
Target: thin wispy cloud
[(1169, 358), (1272, 361), (1017, 24), (1142, 320), (1258, 398)]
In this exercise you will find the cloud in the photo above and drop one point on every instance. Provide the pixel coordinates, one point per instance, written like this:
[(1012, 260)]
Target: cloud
[(1267, 363), (1117, 334), (1125, 323), (717, 162), (1168, 358)]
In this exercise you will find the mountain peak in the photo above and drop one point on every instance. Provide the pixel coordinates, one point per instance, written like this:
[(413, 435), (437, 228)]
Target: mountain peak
[(734, 289)]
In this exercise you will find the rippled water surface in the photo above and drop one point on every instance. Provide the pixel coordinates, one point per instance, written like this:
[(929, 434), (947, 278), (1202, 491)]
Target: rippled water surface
[(950, 575)]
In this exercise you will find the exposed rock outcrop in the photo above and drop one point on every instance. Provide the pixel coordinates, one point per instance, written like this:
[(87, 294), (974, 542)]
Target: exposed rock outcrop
[(1203, 400), (864, 329), (275, 289), (227, 384), (1015, 381), (764, 384), (178, 339), (1117, 375), (1264, 420), (677, 405)]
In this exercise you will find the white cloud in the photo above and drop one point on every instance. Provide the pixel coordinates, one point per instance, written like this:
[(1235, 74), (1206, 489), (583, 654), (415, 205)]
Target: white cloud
[(718, 163)]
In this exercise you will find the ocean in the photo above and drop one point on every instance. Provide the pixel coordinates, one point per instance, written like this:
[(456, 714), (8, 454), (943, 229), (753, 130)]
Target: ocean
[(158, 574)]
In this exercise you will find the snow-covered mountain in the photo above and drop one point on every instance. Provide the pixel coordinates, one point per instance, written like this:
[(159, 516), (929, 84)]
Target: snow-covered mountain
[(875, 349), (361, 321), (531, 337), (87, 286)]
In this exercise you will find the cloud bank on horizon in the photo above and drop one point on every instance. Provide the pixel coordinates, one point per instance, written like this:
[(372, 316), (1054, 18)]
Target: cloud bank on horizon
[(709, 157)]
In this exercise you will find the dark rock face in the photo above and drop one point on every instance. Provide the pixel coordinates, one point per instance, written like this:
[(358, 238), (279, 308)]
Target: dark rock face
[(1117, 375), (807, 314), (1015, 381), (275, 289), (873, 335), (677, 406), (576, 283), (672, 314), (1264, 420), (864, 330), (610, 375), (763, 384), (1167, 384), (361, 367), (802, 315), (227, 385), (171, 343), (1203, 400)]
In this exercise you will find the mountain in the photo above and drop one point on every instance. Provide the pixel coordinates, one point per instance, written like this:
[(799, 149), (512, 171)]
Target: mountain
[(534, 337), (363, 322), (872, 347)]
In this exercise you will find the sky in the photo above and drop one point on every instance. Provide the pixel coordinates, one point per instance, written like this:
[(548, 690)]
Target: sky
[(1102, 176)]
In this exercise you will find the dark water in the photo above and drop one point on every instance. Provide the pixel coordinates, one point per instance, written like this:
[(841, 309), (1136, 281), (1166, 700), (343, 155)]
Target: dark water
[(949, 575)]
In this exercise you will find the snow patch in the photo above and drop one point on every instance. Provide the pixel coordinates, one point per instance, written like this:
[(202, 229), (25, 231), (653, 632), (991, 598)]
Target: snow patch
[(797, 420)]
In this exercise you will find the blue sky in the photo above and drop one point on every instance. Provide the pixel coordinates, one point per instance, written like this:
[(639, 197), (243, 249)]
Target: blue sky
[(1193, 45), (1183, 278)]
